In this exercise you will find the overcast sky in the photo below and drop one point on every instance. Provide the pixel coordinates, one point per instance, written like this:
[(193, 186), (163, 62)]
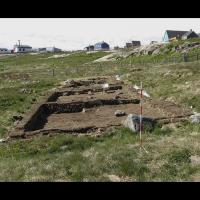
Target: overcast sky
[(76, 33)]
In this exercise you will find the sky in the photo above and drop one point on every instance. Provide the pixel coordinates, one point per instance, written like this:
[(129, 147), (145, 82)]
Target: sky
[(76, 33)]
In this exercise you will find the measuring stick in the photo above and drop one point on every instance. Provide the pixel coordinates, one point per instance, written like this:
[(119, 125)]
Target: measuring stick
[(141, 110)]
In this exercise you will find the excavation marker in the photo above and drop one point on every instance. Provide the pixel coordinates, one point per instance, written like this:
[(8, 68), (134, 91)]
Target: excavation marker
[(141, 113)]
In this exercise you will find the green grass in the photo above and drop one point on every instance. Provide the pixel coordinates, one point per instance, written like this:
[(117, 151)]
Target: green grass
[(85, 158)]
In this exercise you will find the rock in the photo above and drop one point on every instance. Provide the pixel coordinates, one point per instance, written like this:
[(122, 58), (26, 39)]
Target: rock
[(133, 123), (23, 90), (4, 140), (119, 113), (195, 118), (117, 77), (117, 97), (119, 92), (167, 73), (109, 91), (105, 86), (17, 117), (90, 93), (155, 52), (114, 178), (70, 81), (63, 147), (195, 160)]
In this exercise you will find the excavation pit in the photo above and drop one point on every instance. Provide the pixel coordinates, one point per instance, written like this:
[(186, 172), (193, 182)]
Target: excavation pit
[(87, 107)]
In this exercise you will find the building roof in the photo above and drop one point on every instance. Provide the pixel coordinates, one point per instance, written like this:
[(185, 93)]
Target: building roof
[(89, 46), (99, 43), (188, 33), (23, 46), (173, 33)]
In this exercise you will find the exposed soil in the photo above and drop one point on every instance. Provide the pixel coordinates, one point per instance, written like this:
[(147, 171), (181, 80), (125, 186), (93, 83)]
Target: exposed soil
[(84, 106)]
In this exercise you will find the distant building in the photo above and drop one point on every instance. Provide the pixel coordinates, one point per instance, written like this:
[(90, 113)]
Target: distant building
[(171, 35), (136, 43), (49, 49), (89, 48), (101, 46), (53, 49), (132, 44), (116, 48), (190, 34), (128, 45), (41, 49), (153, 42), (22, 48), (4, 51)]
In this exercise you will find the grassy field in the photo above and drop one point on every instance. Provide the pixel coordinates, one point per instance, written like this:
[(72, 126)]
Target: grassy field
[(114, 156)]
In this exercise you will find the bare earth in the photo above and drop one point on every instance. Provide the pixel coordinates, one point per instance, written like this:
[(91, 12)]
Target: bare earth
[(100, 116)]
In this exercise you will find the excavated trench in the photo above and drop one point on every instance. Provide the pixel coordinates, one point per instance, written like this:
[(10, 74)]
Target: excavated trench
[(85, 106)]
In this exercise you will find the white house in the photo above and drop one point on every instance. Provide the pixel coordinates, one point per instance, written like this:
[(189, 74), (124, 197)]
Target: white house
[(4, 51), (48, 49), (52, 49), (22, 49)]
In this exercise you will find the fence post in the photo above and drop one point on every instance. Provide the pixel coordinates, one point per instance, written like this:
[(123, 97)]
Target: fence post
[(185, 57), (131, 60), (53, 73)]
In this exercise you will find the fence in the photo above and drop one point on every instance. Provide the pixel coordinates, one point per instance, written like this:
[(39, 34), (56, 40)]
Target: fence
[(166, 60), (93, 69)]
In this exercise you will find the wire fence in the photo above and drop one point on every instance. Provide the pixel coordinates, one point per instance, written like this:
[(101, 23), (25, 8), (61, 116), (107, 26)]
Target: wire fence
[(166, 60), (92, 69)]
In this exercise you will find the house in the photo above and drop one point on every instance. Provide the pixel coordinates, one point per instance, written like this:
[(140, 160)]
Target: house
[(136, 43), (53, 49), (132, 44), (48, 50), (128, 45), (101, 46), (116, 48), (41, 50), (89, 48), (18, 48), (153, 42), (189, 34), (171, 35), (4, 51)]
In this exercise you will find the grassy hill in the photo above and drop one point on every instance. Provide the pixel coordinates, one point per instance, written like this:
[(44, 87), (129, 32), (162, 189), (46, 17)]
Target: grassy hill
[(114, 156)]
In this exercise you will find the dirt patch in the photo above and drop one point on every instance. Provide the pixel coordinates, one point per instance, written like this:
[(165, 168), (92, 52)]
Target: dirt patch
[(84, 106)]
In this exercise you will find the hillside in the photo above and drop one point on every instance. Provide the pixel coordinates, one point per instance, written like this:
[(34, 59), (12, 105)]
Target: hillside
[(177, 47)]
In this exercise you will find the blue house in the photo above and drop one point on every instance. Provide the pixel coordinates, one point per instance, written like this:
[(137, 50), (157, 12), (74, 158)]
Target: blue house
[(171, 34), (101, 46)]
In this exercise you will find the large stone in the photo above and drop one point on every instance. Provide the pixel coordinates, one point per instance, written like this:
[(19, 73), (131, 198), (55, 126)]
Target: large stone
[(17, 117), (155, 52), (119, 113), (133, 123), (195, 118), (195, 160)]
